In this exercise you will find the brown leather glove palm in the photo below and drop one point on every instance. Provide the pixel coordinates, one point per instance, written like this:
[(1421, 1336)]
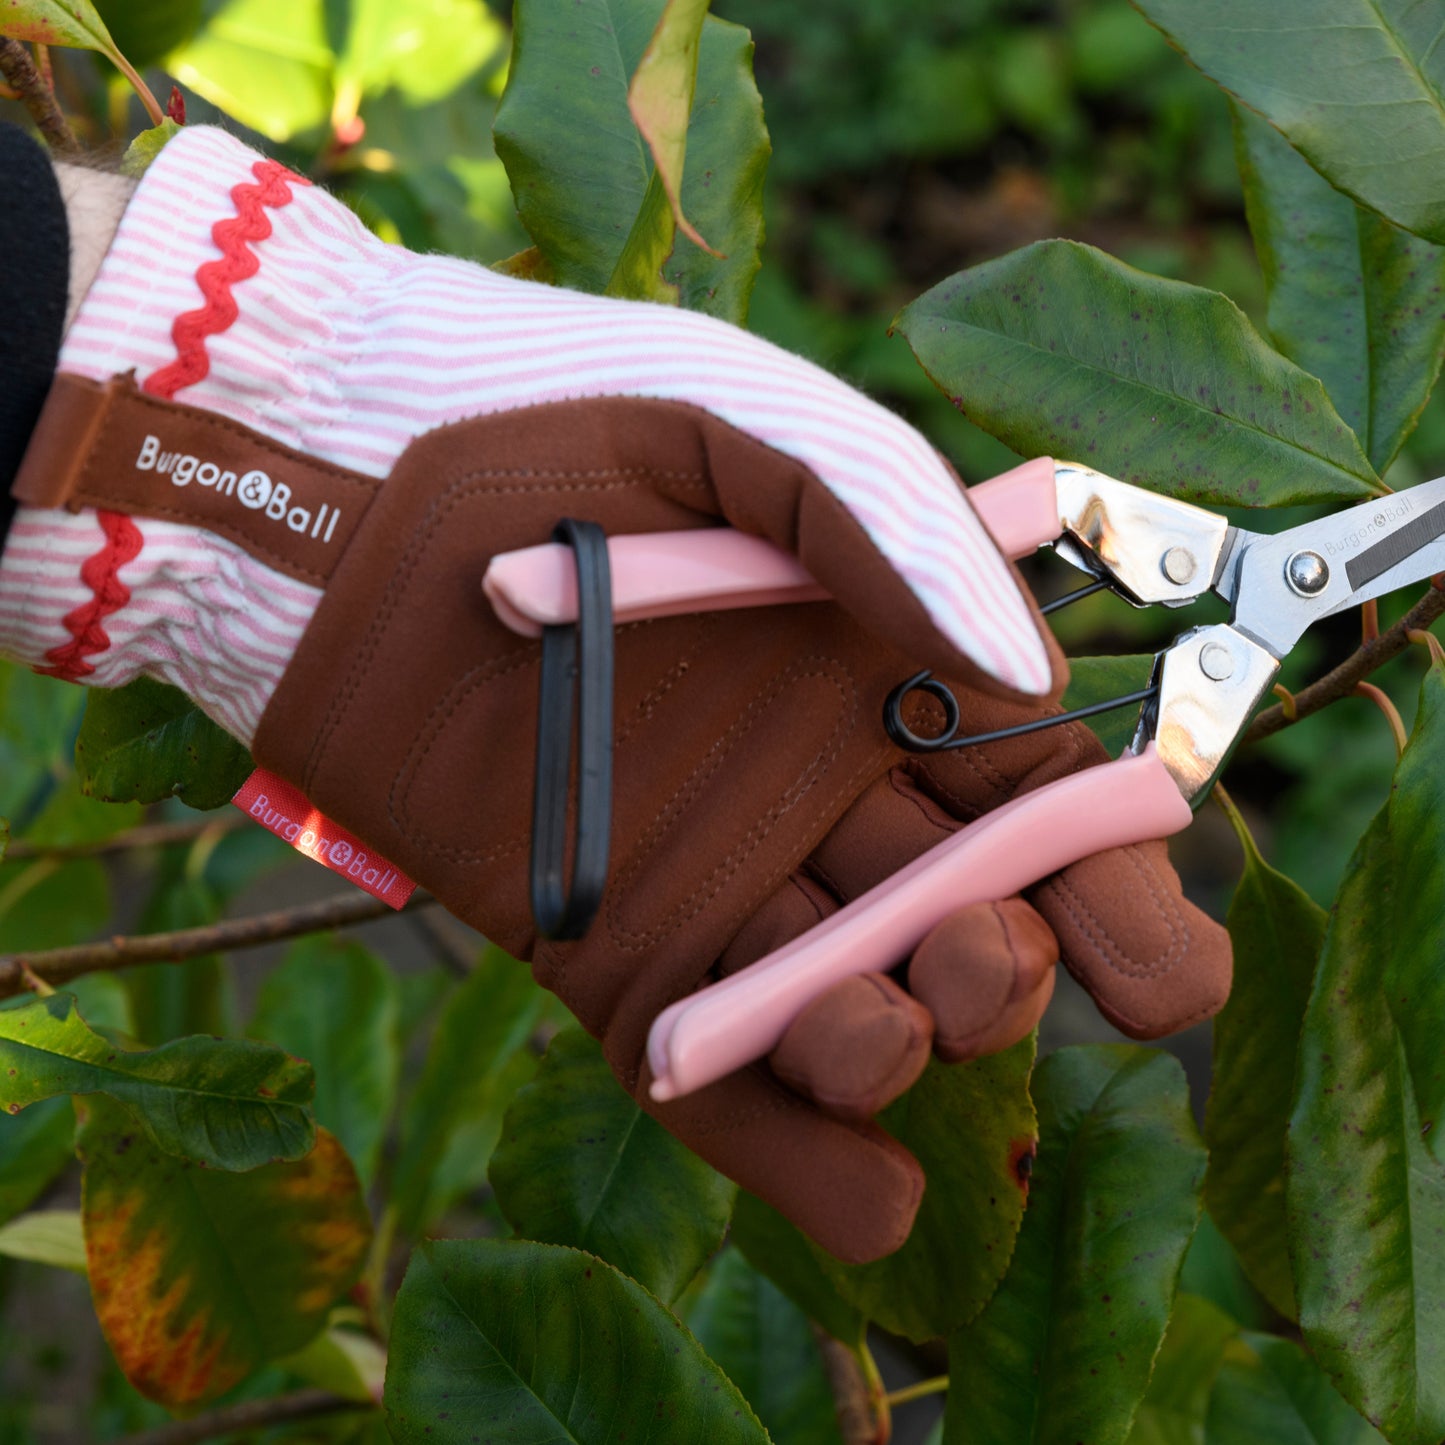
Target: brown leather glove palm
[(756, 790)]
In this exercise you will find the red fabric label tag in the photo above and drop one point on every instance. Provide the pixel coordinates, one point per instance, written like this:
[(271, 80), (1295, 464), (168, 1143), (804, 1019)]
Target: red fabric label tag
[(283, 810)]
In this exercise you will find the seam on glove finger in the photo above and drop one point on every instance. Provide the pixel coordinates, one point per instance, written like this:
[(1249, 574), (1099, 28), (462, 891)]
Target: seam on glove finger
[(809, 776), (1109, 952), (1068, 751)]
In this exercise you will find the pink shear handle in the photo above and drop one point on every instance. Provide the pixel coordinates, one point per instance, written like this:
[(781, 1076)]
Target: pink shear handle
[(729, 1024), (661, 574)]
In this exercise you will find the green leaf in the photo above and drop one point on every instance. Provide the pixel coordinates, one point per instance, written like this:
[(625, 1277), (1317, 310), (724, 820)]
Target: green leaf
[(49, 1236), (50, 904), (37, 722), (1276, 930), (1060, 349), (580, 170), (764, 1345), (519, 1343), (342, 1362), (266, 62), (638, 273), (660, 99), (1352, 299), (146, 147), (146, 30), (1173, 1408), (1357, 86), (424, 48), (972, 1128), (333, 1002), (34, 1147), (777, 1248), (198, 1277), (1270, 1390), (148, 741), (476, 1061), (1064, 1349), (1094, 679), (75, 23), (579, 1163), (222, 1102), (1365, 1187), (170, 1002)]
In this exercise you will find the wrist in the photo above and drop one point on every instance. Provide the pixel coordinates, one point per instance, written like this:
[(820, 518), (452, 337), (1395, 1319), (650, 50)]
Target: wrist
[(94, 203)]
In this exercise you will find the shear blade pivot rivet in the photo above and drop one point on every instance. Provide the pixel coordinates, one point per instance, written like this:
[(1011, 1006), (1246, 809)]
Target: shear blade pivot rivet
[(1178, 565), (1216, 661), (1307, 573)]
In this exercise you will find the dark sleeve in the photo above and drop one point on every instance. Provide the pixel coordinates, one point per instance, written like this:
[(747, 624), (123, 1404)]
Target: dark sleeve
[(34, 270)]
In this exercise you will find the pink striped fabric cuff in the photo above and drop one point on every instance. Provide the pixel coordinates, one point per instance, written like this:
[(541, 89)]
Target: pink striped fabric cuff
[(350, 349)]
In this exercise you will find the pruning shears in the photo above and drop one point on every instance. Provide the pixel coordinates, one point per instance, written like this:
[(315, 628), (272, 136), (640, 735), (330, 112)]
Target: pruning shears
[(1203, 690)]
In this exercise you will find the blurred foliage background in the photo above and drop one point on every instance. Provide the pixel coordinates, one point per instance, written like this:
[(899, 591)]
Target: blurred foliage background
[(910, 141)]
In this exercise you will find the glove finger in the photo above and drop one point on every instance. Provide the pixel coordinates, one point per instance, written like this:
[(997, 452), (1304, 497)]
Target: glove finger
[(855, 1048), (985, 975), (1151, 960), (849, 1186), (889, 532)]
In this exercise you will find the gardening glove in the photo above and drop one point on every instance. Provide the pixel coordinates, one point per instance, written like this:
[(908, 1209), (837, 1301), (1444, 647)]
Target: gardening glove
[(273, 469)]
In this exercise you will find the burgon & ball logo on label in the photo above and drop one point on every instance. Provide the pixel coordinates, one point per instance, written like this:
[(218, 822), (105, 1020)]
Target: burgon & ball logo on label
[(255, 490)]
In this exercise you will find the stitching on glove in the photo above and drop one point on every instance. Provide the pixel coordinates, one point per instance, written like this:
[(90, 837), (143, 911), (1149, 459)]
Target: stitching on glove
[(1107, 951), (462, 489), (397, 801), (643, 711), (708, 887)]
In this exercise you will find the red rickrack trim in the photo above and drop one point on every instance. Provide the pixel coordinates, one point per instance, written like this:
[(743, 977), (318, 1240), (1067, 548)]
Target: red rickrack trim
[(216, 278), (123, 541), (100, 573)]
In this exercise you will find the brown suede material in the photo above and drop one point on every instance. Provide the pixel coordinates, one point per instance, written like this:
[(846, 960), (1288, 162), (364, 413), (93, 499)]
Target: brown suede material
[(755, 787), (985, 975), (294, 513), (855, 1048)]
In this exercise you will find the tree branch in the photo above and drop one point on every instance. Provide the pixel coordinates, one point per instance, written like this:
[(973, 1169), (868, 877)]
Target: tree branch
[(148, 835), (60, 965), (248, 1415), (1357, 666), (857, 1401), (37, 97)]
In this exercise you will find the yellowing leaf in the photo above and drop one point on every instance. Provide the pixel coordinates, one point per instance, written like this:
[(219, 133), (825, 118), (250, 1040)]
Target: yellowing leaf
[(200, 1277), (660, 99)]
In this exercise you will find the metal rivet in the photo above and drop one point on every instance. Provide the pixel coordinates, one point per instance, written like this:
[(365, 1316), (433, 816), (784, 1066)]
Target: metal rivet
[(1216, 661), (1178, 565), (1307, 573)]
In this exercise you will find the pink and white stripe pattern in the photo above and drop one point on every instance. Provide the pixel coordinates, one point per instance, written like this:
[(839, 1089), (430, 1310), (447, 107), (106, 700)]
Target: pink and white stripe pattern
[(350, 349)]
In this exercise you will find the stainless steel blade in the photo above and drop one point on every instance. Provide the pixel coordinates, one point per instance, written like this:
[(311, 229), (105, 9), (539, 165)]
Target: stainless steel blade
[(1280, 585)]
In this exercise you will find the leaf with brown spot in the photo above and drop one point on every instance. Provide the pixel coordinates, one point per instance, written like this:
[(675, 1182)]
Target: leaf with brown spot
[(969, 1125), (75, 23), (1063, 1350), (1364, 1162), (200, 1277)]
